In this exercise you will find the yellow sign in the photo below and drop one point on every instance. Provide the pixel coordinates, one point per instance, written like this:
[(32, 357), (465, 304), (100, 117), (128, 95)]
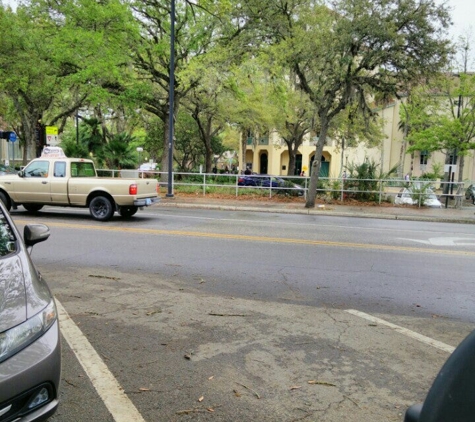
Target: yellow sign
[(51, 130), (304, 168)]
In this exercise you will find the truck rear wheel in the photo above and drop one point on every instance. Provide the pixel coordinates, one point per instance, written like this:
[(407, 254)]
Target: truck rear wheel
[(32, 207), (127, 212), (101, 208), (6, 201)]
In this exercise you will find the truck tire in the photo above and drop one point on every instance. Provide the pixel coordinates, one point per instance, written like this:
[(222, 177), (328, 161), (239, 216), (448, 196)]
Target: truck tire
[(32, 207), (101, 208), (6, 201), (128, 212)]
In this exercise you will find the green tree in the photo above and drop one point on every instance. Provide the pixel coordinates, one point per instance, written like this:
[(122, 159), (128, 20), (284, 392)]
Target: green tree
[(448, 125), (189, 149), (293, 114), (195, 29), (59, 54), (207, 105), (26, 76), (348, 50)]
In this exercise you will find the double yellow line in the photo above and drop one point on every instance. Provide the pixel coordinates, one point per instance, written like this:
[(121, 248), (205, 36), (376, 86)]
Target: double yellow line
[(282, 240)]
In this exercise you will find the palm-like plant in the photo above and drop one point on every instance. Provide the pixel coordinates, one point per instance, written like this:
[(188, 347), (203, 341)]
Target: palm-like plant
[(365, 178), (118, 153)]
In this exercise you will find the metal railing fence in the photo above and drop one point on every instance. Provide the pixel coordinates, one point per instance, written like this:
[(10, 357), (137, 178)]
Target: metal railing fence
[(343, 188)]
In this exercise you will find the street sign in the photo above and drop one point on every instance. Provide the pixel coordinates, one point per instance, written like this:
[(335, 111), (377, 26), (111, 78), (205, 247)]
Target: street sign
[(51, 130), (12, 137), (52, 138)]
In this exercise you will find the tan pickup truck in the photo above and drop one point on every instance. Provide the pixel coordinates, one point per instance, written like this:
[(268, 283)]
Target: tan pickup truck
[(73, 182)]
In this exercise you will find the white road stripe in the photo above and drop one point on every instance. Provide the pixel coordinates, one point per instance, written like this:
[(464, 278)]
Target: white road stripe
[(108, 388), (427, 340)]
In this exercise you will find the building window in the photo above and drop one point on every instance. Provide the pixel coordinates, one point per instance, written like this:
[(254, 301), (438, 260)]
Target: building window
[(424, 157)]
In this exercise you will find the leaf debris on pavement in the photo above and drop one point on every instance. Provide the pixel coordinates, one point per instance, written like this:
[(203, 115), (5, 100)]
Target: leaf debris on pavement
[(250, 389), (104, 276), (197, 410), (153, 312), (316, 382)]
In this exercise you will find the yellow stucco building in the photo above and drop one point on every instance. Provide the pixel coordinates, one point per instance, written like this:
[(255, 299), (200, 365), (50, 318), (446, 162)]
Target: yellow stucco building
[(270, 155)]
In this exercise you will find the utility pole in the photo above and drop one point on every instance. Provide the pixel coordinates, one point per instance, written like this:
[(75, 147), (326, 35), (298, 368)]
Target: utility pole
[(171, 96)]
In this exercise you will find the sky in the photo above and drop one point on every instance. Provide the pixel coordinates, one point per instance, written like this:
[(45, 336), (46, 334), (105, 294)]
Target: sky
[(463, 16)]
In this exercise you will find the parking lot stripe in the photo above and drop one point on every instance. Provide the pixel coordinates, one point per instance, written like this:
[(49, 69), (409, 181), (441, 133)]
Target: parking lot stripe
[(427, 340), (108, 388)]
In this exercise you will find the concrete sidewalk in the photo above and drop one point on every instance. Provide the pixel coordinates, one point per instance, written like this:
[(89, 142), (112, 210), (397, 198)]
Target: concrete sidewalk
[(466, 214)]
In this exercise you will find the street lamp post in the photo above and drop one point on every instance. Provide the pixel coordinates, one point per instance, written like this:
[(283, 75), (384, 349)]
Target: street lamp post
[(171, 97), (77, 127), (453, 156)]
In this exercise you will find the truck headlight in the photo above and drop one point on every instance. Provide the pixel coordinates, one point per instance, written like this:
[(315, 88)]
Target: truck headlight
[(19, 337)]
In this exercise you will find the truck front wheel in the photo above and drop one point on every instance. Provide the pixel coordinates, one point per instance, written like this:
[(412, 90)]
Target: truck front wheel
[(127, 212), (32, 207), (101, 208)]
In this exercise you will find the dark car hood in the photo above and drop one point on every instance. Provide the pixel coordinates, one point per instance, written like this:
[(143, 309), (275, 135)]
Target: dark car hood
[(12, 293)]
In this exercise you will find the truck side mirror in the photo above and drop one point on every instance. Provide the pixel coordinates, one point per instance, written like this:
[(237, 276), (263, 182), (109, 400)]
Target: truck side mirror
[(452, 395)]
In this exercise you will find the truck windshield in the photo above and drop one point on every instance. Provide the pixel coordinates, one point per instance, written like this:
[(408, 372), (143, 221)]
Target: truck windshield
[(82, 169), (37, 169)]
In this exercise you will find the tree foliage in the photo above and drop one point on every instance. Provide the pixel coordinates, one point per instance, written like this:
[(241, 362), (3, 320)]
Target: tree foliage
[(298, 67), (444, 119), (348, 50)]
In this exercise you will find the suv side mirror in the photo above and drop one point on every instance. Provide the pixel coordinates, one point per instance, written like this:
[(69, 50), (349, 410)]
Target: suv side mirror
[(35, 233), (452, 395)]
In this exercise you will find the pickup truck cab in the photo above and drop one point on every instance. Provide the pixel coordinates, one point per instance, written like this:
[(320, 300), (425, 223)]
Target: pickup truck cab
[(73, 182)]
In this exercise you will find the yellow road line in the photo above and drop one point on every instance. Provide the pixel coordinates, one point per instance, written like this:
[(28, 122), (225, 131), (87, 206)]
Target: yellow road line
[(183, 233)]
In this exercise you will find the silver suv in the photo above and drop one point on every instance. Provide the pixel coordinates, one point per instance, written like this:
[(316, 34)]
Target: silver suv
[(30, 351)]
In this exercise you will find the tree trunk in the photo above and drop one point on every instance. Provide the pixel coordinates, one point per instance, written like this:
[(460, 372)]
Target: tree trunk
[(312, 189), (209, 157), (30, 138), (291, 170), (461, 166)]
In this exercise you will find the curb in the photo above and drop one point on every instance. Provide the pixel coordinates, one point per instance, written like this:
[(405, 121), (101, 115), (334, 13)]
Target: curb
[(404, 217)]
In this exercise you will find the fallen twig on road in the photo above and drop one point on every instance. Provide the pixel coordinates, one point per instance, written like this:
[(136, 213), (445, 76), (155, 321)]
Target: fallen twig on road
[(250, 389)]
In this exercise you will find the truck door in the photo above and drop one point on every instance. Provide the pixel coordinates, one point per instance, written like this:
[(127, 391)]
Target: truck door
[(59, 183), (35, 185)]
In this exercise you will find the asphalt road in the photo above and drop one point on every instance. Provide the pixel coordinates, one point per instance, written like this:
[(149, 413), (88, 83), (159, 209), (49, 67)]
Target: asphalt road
[(208, 315)]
